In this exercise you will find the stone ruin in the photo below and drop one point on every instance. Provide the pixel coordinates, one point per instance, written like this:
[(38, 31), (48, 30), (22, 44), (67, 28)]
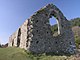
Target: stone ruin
[(35, 33)]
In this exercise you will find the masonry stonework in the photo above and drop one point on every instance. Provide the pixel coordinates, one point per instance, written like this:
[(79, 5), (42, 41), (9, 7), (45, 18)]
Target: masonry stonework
[(35, 34)]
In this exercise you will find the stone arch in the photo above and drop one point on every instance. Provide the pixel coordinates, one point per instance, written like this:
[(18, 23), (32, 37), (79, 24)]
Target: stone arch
[(60, 18), (19, 37), (52, 11), (54, 26), (58, 25)]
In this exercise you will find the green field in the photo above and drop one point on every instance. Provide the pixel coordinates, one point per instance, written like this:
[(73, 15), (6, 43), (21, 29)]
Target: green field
[(21, 54)]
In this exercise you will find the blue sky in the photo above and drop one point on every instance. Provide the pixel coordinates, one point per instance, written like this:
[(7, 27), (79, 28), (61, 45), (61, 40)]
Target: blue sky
[(14, 12)]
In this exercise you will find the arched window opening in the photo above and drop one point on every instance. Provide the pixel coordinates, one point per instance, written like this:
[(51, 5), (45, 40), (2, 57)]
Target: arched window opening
[(54, 26)]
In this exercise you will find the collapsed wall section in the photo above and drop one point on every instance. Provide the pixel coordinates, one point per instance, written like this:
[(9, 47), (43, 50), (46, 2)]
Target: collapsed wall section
[(13, 39), (19, 38), (23, 35)]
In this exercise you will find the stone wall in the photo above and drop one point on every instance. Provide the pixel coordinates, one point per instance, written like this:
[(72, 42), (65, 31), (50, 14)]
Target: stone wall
[(35, 34)]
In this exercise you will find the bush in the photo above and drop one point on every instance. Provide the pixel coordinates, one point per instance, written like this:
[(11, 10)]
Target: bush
[(54, 28), (77, 40)]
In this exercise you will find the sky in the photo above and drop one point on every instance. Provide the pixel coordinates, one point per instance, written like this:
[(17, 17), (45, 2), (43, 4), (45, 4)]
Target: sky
[(14, 12)]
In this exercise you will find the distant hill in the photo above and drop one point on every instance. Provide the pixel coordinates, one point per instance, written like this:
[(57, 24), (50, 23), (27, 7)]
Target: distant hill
[(75, 27), (75, 22)]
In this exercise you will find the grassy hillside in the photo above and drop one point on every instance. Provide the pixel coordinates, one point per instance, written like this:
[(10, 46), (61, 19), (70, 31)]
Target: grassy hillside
[(21, 54), (12, 54)]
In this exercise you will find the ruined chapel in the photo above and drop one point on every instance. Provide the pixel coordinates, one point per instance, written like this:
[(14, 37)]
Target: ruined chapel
[(35, 33)]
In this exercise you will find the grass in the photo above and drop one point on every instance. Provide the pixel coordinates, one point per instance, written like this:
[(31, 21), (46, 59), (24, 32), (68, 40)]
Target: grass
[(20, 54), (12, 54)]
